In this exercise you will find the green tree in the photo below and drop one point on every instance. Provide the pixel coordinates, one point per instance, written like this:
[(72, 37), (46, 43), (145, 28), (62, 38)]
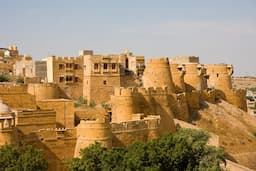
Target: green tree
[(22, 158), (184, 150)]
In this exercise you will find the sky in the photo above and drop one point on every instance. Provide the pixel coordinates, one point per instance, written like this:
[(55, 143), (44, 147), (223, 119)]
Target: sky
[(218, 31)]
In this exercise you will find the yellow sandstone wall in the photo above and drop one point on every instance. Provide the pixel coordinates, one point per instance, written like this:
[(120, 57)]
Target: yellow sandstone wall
[(178, 72), (157, 74), (89, 132), (43, 91), (64, 111)]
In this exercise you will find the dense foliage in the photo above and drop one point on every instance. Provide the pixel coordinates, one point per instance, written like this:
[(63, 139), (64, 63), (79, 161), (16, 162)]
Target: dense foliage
[(4, 78), (21, 158), (184, 150)]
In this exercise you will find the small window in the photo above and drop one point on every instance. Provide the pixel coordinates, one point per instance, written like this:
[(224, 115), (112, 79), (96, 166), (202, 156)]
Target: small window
[(105, 66), (76, 79), (61, 79), (61, 66), (113, 66), (76, 66), (96, 66), (69, 65), (217, 75), (104, 82), (126, 63), (69, 78)]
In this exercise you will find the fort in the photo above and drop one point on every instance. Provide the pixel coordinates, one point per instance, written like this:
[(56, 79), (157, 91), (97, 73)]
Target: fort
[(122, 100)]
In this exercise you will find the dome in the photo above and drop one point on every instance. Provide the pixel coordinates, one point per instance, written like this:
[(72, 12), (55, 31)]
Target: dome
[(4, 108)]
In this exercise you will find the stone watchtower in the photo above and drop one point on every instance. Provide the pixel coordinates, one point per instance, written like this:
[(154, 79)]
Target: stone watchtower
[(91, 131), (123, 105), (157, 74), (220, 76), (178, 72), (195, 77)]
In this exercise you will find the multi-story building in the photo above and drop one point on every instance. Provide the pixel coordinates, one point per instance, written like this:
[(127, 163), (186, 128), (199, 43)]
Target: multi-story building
[(67, 72), (102, 73)]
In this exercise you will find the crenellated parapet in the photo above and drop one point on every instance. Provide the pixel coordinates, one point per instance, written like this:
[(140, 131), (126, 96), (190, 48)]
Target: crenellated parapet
[(121, 91), (50, 134)]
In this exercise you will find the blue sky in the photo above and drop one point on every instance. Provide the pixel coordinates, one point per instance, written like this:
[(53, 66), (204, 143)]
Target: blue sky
[(219, 31)]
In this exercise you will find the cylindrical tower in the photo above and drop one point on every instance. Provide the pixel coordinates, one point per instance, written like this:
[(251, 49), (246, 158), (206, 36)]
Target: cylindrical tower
[(178, 72), (122, 105), (157, 74), (220, 76), (194, 77), (89, 132)]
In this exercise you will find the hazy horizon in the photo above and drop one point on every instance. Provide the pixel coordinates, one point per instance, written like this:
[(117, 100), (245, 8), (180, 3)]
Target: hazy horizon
[(216, 31)]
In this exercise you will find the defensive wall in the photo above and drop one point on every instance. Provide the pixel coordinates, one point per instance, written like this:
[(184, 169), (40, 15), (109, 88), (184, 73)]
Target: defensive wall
[(64, 108), (149, 101)]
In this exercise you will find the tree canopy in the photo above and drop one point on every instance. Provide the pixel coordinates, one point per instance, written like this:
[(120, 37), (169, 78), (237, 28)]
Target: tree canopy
[(184, 150), (21, 158)]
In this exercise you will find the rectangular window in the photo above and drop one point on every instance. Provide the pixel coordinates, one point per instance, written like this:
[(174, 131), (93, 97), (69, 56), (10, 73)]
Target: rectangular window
[(61, 66), (69, 65), (105, 66), (104, 82), (76, 79), (76, 66), (113, 66), (61, 79), (96, 66), (69, 78)]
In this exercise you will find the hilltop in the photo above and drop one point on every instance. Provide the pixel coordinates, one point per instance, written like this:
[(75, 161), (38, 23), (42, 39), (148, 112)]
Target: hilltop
[(235, 128)]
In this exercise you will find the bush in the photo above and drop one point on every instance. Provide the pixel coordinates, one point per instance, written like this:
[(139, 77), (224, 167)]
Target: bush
[(24, 157), (184, 150), (4, 78), (20, 80)]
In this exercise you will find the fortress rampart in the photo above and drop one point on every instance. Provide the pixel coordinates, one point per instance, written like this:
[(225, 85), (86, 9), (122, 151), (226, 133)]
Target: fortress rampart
[(89, 132), (219, 76), (149, 101)]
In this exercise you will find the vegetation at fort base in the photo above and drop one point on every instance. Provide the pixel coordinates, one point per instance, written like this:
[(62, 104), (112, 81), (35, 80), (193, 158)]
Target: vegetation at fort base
[(22, 158), (4, 78), (184, 150)]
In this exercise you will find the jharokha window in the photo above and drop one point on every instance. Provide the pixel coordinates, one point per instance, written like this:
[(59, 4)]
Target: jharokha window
[(96, 66)]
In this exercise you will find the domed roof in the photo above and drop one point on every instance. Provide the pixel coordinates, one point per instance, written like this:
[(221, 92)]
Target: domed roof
[(4, 108)]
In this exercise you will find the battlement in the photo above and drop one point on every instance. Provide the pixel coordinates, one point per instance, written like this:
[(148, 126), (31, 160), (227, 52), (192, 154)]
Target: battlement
[(185, 59), (121, 91), (66, 58), (55, 133), (149, 122), (220, 68), (158, 60)]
